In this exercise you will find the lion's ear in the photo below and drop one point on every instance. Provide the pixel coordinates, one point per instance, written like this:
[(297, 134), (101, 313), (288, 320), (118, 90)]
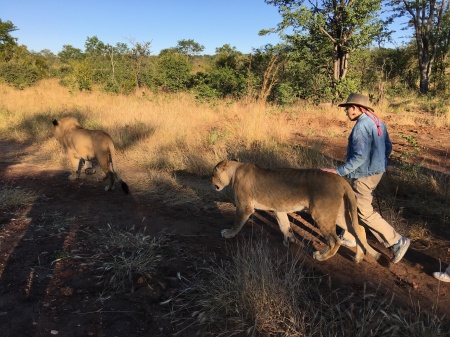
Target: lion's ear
[(55, 122)]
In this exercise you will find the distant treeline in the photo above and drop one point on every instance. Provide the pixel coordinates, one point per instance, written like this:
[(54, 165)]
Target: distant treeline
[(280, 74)]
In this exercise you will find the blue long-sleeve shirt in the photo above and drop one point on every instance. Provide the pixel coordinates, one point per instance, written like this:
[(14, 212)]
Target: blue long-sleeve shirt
[(367, 152)]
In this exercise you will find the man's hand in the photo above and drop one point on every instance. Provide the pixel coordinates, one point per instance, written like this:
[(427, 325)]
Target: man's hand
[(329, 170)]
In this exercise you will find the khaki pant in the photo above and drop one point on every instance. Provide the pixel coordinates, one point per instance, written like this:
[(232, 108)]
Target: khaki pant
[(383, 231)]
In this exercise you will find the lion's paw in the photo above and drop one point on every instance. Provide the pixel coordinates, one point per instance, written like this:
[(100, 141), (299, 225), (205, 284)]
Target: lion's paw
[(288, 240), (318, 256), (226, 233), (358, 258), (73, 176)]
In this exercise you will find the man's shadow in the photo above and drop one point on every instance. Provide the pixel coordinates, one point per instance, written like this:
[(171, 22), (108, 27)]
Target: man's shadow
[(56, 228)]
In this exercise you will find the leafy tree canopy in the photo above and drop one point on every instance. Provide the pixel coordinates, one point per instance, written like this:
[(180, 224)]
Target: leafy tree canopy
[(340, 26), (227, 56), (6, 28), (93, 46), (70, 53), (429, 19), (189, 47)]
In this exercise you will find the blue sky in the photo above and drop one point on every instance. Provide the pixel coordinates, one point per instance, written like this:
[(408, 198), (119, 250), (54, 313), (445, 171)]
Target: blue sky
[(50, 24)]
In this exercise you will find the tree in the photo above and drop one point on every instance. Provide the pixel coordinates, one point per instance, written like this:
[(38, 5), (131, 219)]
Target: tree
[(7, 42), (266, 64), (336, 27), (426, 17), (139, 52), (443, 50), (70, 53), (23, 69), (189, 48), (173, 72), (97, 53), (227, 56), (93, 46), (6, 28)]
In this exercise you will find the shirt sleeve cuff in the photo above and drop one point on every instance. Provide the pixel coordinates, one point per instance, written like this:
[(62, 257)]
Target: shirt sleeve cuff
[(339, 171)]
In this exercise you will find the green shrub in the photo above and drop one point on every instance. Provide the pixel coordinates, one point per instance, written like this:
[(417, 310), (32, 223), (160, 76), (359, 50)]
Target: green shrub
[(173, 72), (283, 94), (83, 75), (19, 75)]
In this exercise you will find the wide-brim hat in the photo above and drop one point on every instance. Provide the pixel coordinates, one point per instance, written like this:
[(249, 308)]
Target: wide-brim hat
[(359, 100)]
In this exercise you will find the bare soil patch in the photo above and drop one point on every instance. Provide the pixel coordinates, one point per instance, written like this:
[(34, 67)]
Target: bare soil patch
[(49, 286)]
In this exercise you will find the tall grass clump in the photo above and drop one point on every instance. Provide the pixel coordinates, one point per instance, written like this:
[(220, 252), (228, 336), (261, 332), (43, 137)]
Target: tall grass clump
[(259, 292), (253, 293), (124, 256), (15, 197)]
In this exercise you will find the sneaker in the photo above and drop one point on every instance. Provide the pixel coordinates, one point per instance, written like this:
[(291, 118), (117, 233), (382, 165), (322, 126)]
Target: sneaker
[(346, 242), (443, 277), (400, 249)]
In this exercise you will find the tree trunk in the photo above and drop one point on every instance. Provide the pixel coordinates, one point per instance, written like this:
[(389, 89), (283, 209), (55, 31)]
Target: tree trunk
[(340, 63), (269, 78), (424, 81)]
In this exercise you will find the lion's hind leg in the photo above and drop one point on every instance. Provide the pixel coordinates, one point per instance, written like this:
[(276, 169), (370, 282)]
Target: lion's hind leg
[(362, 246), (104, 163), (333, 244), (326, 221), (110, 180)]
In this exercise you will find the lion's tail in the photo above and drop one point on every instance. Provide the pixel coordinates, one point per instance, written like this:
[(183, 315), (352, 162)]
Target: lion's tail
[(112, 160), (360, 231)]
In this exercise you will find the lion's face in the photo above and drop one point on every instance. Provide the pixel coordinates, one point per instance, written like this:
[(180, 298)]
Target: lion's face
[(220, 176)]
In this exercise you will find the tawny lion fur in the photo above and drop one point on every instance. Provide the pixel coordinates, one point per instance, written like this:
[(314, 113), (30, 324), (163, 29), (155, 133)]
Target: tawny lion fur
[(84, 145), (290, 190)]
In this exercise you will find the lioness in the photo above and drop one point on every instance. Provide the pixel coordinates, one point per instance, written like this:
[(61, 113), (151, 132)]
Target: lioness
[(291, 190), (84, 146)]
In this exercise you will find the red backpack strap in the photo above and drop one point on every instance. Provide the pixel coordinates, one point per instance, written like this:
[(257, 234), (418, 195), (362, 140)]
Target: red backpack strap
[(375, 119)]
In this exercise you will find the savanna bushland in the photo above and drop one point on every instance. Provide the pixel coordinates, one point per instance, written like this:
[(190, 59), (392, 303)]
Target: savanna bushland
[(76, 260)]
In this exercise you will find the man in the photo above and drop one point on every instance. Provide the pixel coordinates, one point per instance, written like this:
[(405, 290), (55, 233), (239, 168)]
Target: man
[(368, 148)]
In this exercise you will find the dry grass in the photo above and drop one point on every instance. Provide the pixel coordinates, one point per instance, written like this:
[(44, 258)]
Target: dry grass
[(417, 111), (16, 197), (165, 132), (124, 256), (260, 292), (253, 294), (419, 232), (176, 132), (164, 186)]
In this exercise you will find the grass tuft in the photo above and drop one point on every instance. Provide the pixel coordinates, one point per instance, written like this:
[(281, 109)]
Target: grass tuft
[(123, 256), (262, 293), (254, 293), (16, 197)]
